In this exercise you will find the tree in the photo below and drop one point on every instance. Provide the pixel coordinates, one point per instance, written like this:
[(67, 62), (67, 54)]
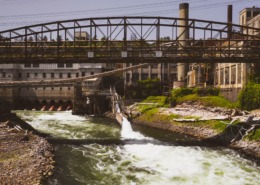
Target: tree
[(30, 39), (104, 38), (166, 38), (133, 36), (59, 38), (45, 38)]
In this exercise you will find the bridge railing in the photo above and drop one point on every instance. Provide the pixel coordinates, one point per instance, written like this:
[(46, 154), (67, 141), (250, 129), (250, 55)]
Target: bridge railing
[(196, 49)]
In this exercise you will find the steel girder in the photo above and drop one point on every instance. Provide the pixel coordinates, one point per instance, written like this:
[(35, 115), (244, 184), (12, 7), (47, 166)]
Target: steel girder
[(114, 39)]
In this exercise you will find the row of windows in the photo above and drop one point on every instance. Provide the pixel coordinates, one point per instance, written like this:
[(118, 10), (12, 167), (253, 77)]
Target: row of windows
[(37, 65), (52, 75), (225, 75), (4, 75), (52, 88), (144, 76), (45, 75), (45, 88), (155, 66)]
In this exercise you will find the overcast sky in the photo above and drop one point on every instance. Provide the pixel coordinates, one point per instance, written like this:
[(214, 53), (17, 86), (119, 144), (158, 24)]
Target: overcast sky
[(18, 13)]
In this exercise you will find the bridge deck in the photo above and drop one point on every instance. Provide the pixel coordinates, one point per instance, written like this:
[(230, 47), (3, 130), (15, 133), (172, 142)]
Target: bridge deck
[(110, 40)]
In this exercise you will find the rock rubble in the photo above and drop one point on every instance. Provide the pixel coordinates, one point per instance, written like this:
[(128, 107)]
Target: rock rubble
[(25, 158), (193, 112)]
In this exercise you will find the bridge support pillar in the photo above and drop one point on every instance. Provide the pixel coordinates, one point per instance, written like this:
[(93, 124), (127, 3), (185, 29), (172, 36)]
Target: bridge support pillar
[(78, 103), (183, 37)]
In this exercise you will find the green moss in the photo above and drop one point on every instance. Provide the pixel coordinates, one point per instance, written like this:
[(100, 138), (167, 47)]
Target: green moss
[(207, 97), (160, 100), (188, 98), (152, 112), (254, 135), (217, 101), (217, 125), (214, 101), (152, 102), (153, 115), (191, 117)]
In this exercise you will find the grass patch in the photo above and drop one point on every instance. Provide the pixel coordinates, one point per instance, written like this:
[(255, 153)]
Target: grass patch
[(152, 102), (215, 125), (188, 98), (206, 97), (153, 115), (159, 100), (254, 136), (213, 101), (191, 117), (217, 101)]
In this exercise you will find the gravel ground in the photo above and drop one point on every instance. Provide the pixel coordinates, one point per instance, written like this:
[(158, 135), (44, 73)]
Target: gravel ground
[(25, 158)]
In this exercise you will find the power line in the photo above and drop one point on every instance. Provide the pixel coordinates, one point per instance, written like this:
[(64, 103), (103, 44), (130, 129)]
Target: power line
[(21, 2), (122, 8), (116, 9)]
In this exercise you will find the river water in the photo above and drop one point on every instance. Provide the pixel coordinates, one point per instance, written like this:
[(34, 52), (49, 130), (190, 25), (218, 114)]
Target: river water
[(152, 157)]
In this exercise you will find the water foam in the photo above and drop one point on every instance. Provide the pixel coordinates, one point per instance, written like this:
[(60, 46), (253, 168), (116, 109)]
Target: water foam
[(185, 165), (146, 164), (191, 165), (128, 133)]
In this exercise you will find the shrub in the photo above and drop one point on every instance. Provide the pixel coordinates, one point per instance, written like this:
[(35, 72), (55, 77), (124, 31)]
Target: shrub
[(249, 97), (178, 93), (144, 89), (205, 96)]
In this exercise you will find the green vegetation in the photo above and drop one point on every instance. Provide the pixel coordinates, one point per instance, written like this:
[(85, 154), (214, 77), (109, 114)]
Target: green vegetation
[(150, 112), (254, 135), (159, 100), (144, 89), (207, 97), (249, 97), (214, 101), (152, 102), (153, 115)]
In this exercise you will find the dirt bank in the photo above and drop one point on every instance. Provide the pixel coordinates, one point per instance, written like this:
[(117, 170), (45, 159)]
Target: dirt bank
[(185, 126), (25, 157)]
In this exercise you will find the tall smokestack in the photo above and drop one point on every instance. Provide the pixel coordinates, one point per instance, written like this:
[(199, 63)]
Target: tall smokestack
[(183, 35), (230, 20)]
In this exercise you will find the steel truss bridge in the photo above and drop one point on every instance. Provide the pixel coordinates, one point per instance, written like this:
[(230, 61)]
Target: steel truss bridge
[(130, 39)]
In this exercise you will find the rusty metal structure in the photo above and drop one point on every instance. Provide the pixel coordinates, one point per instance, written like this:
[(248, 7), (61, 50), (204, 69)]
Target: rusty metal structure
[(110, 40)]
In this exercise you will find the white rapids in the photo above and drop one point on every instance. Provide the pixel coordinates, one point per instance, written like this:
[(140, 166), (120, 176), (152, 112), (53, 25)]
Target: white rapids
[(138, 164)]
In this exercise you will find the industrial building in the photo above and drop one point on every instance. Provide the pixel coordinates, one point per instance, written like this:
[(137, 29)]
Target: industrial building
[(232, 77), (37, 97)]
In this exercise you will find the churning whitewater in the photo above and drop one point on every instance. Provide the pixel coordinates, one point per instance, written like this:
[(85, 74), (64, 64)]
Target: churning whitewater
[(140, 164)]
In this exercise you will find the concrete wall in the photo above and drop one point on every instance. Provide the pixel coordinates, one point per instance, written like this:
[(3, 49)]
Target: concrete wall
[(231, 94), (32, 97)]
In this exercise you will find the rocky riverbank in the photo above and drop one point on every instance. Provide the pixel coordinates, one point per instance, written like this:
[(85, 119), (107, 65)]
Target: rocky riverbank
[(186, 119), (25, 157)]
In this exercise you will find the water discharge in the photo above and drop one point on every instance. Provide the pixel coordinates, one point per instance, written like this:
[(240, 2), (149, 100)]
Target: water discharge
[(128, 133), (135, 164)]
